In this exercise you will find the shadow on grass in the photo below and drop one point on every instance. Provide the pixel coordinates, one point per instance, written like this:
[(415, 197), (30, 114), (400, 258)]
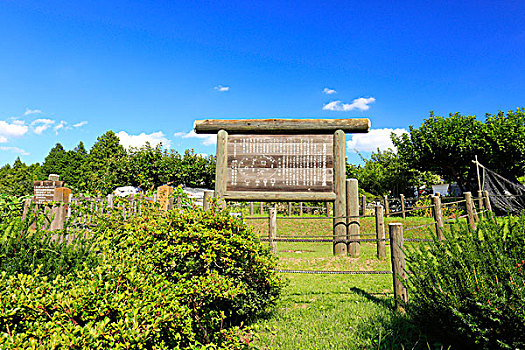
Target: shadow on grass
[(386, 303)]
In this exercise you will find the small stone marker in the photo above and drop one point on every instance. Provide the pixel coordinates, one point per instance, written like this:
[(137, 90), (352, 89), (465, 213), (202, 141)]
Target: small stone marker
[(53, 177), (163, 195)]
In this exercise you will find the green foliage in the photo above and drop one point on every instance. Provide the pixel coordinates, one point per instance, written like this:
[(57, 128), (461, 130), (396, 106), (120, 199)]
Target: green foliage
[(18, 179), (182, 280), (385, 172), (470, 289), (447, 146)]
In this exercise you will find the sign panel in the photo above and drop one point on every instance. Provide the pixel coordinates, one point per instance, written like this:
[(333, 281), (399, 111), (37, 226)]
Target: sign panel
[(44, 191), (275, 163)]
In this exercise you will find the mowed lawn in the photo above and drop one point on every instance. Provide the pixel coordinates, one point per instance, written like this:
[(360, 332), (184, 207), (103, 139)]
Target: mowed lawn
[(333, 311)]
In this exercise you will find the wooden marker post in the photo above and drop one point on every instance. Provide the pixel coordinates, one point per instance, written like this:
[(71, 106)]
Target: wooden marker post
[(221, 166), (327, 209), (387, 205), (251, 208), (486, 199), (402, 198), (59, 211), (470, 210), (380, 232), (352, 213), (398, 265), (480, 200), (300, 208), (438, 216), (340, 247), (272, 226), (289, 208), (363, 204), (261, 208), (163, 195)]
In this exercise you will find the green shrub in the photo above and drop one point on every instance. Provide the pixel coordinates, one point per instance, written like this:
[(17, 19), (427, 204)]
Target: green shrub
[(470, 289), (187, 279)]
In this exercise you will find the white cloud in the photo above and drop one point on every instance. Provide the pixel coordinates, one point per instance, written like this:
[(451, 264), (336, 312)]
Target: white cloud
[(359, 103), (222, 88), (59, 126), (207, 138), (32, 111), (376, 138), (40, 125), (14, 150), (329, 91), (78, 125), (3, 139), (16, 128), (140, 140)]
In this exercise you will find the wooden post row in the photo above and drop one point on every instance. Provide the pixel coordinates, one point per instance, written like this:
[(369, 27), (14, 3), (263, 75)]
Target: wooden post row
[(352, 213), (398, 265)]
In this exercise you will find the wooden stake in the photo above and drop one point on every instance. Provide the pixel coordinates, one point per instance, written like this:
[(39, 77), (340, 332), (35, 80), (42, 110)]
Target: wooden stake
[(470, 210), (438, 216), (272, 225), (402, 198), (380, 232), (398, 265), (339, 247), (487, 201), (387, 206), (352, 213)]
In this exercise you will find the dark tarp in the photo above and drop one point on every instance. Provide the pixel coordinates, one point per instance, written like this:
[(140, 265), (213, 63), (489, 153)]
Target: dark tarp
[(505, 195)]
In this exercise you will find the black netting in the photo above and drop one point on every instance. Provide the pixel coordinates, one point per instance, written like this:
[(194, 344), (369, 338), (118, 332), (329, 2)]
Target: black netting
[(505, 195)]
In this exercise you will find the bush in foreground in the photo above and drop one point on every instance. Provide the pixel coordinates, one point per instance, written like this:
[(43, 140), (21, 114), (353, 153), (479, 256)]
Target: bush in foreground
[(187, 279), (470, 289)]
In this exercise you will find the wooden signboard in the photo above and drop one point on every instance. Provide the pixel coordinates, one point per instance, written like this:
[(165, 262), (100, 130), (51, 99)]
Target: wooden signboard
[(163, 195), (273, 163), (44, 191)]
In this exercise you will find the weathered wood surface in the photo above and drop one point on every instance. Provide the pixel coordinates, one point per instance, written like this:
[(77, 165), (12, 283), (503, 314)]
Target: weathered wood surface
[(221, 164), (398, 265), (470, 210), (163, 195), (352, 209), (340, 248), (44, 191), (279, 196), (291, 163), (272, 226), (380, 232), (438, 216), (290, 126)]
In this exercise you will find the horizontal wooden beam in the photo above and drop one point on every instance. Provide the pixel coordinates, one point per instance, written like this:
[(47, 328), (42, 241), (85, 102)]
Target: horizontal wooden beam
[(287, 126), (279, 196)]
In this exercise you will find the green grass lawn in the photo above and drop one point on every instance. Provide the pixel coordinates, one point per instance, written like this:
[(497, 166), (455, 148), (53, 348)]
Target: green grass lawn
[(324, 311)]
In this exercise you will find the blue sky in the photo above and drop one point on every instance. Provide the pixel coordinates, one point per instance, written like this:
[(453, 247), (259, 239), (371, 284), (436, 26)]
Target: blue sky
[(71, 70)]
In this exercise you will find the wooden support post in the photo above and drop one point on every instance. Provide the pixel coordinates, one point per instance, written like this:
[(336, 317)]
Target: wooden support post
[(486, 199), (339, 247), (352, 213), (251, 208), (300, 208), (387, 205), (398, 265), (261, 208), (470, 210), (480, 200), (272, 232), (27, 206), (61, 196), (363, 204), (438, 216), (327, 209), (289, 208), (402, 198), (206, 200), (380, 232), (221, 166)]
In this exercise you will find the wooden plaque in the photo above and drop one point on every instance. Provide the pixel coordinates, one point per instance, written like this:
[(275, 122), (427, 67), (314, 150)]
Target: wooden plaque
[(280, 163), (44, 191)]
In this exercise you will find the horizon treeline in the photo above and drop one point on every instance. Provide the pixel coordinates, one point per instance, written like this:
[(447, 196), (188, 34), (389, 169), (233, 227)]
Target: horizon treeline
[(108, 165)]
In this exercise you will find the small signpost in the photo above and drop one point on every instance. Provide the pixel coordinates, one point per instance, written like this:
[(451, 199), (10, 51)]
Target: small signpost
[(163, 196), (44, 191), (284, 160)]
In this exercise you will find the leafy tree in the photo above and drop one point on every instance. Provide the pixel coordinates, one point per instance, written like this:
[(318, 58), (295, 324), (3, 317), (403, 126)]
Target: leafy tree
[(73, 174), (18, 179), (55, 162)]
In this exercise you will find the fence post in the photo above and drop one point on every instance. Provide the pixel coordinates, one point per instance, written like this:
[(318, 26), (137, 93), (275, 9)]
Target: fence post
[(272, 225), (289, 208), (363, 204), (328, 209), (300, 208), (387, 205), (352, 213), (438, 216), (261, 207), (206, 200), (251, 208), (110, 201), (402, 197), (27, 205), (380, 232), (487, 201), (480, 200), (398, 265), (470, 210)]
